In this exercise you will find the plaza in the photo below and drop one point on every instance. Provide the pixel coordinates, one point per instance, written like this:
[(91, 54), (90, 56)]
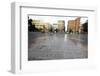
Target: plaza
[(50, 46)]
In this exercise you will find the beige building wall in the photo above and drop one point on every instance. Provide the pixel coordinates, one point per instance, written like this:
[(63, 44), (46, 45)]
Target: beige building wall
[(41, 25), (61, 25), (71, 25), (74, 25), (77, 25)]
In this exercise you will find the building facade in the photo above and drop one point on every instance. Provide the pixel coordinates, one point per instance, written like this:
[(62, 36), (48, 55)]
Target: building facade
[(41, 26), (74, 25), (61, 25)]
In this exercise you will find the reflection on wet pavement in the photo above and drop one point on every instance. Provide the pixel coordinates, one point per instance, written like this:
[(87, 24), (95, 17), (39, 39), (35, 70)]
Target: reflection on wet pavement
[(45, 46)]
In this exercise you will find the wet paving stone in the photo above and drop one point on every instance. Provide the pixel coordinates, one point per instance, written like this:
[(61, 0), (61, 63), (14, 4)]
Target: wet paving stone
[(48, 46)]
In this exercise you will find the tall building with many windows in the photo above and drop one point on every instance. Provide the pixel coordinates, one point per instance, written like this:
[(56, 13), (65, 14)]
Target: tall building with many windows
[(74, 25), (61, 25)]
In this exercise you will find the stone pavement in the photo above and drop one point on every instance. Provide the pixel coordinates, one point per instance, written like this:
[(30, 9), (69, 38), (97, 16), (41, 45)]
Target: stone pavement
[(48, 46)]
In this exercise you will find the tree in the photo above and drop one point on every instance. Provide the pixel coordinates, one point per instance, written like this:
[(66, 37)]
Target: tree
[(85, 27), (31, 27)]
